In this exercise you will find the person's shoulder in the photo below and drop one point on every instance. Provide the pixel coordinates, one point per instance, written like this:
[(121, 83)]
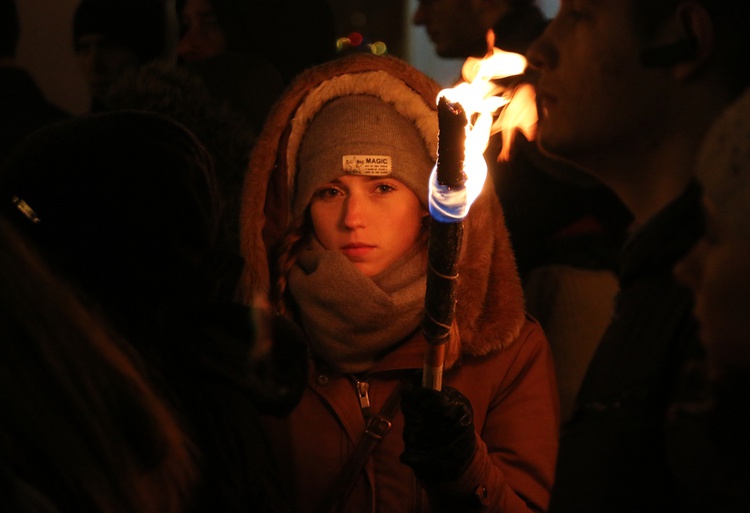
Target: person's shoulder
[(532, 334), (529, 341)]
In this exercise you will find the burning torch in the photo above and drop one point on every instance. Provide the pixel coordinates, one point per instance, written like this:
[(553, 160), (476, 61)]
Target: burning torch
[(466, 120)]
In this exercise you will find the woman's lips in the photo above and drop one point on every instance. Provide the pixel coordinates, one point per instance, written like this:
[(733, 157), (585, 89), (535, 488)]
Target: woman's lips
[(356, 251)]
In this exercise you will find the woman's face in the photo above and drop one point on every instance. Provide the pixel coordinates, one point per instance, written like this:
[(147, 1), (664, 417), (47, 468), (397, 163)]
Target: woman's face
[(717, 270), (201, 34), (373, 221)]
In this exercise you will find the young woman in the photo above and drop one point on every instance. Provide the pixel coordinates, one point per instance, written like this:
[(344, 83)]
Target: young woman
[(334, 227)]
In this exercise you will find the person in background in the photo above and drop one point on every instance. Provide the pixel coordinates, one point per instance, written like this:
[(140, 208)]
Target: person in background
[(174, 91), (226, 57), (708, 437), (458, 29), (23, 106), (339, 244), (290, 35), (82, 428), (628, 89), (247, 52), (113, 36), (566, 228), (124, 206)]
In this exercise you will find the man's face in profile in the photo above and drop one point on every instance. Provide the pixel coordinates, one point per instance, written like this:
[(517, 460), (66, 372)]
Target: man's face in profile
[(596, 97)]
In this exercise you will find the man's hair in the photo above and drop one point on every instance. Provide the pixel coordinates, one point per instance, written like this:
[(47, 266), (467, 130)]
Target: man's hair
[(731, 21), (9, 30)]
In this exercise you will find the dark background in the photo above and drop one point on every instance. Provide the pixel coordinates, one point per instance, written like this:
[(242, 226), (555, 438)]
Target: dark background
[(45, 48)]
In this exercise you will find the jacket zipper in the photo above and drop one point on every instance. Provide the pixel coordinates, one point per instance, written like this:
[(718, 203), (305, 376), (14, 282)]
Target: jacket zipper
[(362, 388)]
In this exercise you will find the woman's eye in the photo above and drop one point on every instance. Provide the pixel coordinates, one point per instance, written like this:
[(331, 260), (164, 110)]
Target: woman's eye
[(327, 193), (384, 188)]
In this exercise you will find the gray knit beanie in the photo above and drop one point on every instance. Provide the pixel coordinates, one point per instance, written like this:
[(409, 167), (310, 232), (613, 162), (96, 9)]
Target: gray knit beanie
[(361, 135), (724, 165)]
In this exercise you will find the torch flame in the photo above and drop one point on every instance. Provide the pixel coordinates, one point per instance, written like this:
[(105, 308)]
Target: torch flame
[(482, 95)]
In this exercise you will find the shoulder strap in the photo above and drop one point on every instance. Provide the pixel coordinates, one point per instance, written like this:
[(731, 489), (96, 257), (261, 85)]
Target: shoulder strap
[(377, 427)]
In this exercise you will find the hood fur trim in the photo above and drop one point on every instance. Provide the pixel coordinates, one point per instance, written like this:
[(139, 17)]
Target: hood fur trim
[(490, 309)]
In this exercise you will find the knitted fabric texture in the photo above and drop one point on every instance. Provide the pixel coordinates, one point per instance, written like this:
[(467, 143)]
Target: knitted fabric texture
[(723, 166), (361, 135)]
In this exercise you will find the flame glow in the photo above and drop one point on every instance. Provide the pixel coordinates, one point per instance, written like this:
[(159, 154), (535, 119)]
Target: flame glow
[(482, 97)]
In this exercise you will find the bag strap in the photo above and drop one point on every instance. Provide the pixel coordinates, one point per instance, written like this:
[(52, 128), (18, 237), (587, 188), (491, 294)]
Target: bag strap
[(377, 427)]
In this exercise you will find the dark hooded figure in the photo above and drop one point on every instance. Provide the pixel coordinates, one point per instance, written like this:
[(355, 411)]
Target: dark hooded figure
[(66, 384), (124, 205)]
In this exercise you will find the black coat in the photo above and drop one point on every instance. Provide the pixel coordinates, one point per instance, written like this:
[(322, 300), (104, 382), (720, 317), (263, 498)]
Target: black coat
[(613, 453)]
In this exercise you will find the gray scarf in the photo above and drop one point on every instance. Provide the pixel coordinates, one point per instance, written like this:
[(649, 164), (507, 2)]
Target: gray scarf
[(350, 319)]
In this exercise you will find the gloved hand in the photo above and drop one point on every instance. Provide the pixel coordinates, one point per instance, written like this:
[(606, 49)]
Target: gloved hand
[(438, 433)]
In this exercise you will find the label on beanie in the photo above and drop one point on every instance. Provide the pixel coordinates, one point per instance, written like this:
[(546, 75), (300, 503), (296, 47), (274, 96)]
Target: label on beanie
[(367, 165)]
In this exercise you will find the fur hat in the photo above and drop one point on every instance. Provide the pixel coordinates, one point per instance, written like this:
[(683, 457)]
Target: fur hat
[(361, 135)]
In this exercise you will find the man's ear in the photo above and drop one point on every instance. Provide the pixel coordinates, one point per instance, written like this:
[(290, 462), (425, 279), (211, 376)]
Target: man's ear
[(690, 33), (699, 26)]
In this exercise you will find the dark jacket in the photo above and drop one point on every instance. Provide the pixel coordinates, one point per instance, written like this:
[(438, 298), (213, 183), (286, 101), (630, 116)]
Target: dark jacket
[(612, 451), (709, 447)]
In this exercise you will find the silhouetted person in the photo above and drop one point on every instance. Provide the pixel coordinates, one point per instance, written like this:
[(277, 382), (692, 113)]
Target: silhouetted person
[(124, 205), (628, 89), (246, 52), (113, 36), (82, 428), (23, 106), (708, 441), (176, 92), (291, 35), (458, 28)]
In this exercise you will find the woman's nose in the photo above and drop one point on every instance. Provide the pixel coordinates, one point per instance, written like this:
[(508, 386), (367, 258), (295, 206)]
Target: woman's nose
[(355, 212)]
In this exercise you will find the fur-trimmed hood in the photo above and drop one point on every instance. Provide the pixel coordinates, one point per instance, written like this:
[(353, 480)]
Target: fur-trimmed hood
[(490, 306)]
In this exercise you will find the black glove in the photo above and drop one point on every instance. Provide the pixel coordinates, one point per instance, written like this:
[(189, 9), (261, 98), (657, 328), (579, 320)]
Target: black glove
[(438, 433)]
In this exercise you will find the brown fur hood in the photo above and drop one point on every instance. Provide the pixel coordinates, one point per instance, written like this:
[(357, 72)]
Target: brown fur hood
[(490, 307)]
